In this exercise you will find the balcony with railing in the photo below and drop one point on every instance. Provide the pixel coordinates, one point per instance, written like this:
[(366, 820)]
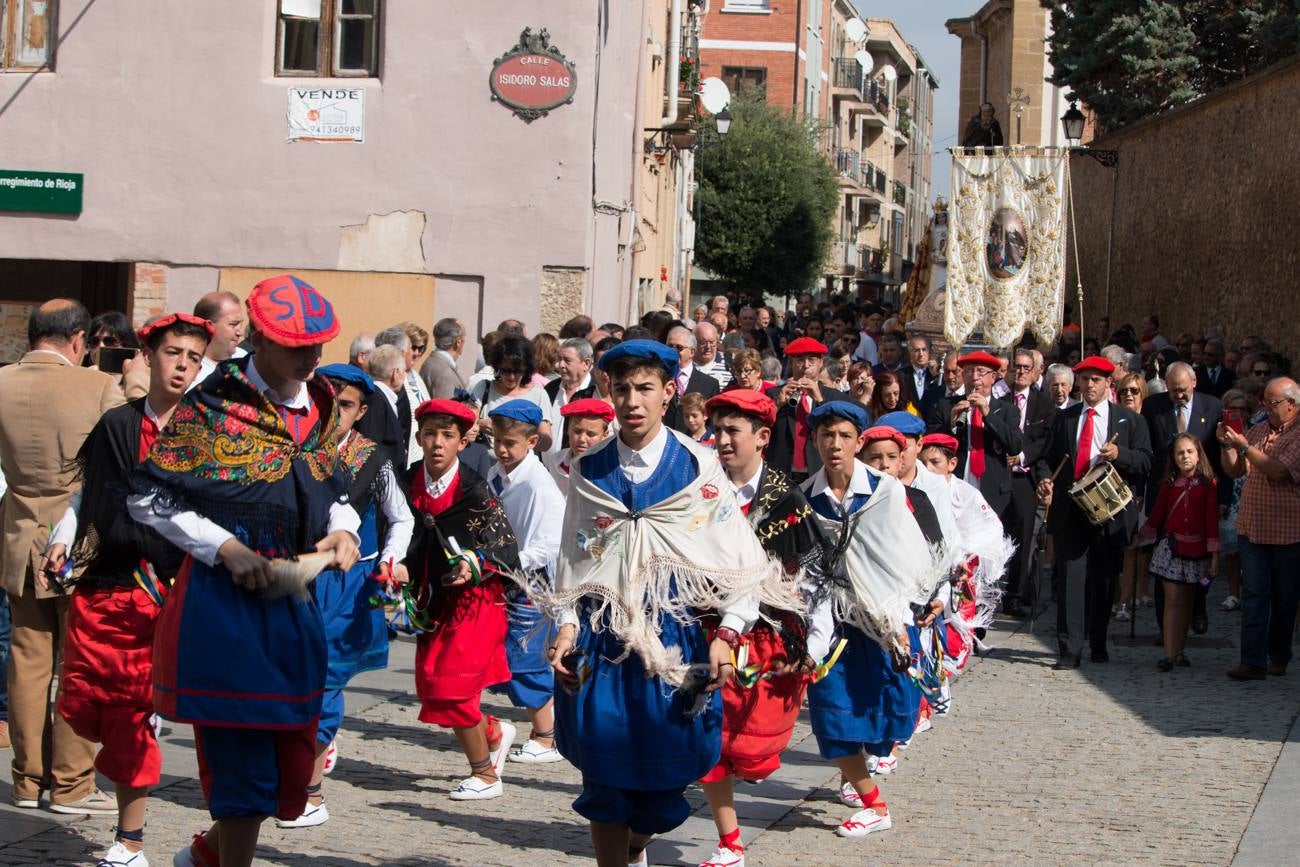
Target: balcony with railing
[(870, 261), (900, 193), (848, 78), (875, 103), (848, 165)]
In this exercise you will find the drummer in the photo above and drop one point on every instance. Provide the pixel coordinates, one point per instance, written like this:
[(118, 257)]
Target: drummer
[(1088, 557)]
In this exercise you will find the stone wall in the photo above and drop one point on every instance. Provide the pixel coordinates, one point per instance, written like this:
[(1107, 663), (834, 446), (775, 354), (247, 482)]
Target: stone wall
[(1199, 217)]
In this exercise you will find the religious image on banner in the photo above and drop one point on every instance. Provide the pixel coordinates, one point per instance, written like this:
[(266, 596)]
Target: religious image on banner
[(1006, 245)]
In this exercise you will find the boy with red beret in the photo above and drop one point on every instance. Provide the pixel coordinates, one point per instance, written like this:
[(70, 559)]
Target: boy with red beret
[(106, 683), (463, 545), (761, 704), (587, 424), (246, 471)]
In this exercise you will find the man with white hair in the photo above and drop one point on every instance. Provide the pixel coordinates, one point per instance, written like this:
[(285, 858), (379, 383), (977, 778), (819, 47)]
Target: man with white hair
[(1058, 382), (719, 304), (690, 379), (1268, 530), (673, 302), (574, 383), (359, 352), (388, 370), (440, 372), (412, 386), (708, 358)]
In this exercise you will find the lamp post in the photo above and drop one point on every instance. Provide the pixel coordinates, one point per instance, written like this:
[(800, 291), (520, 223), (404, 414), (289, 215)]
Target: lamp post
[(1073, 122), (722, 121)]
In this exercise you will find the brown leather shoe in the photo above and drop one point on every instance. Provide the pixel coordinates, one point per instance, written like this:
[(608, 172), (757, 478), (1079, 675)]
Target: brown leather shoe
[(1247, 672), (4, 735), (1277, 669)]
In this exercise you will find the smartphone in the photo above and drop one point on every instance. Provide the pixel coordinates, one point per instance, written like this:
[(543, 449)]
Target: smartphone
[(111, 359), (1235, 419)]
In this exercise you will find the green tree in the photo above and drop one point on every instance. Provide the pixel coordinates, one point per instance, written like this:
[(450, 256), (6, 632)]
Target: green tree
[(1126, 59), (1129, 59), (767, 200)]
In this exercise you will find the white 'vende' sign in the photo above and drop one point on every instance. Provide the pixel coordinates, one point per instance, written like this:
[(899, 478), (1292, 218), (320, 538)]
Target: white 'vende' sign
[(327, 114)]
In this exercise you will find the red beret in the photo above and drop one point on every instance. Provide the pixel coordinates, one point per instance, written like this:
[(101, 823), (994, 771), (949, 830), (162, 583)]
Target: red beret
[(592, 407), (291, 313), (980, 357), (453, 408), (878, 433), (751, 403), (940, 439), (805, 346), (171, 319), (1097, 363)]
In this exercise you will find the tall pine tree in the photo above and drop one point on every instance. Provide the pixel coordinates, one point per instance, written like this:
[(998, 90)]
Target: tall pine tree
[(1129, 59)]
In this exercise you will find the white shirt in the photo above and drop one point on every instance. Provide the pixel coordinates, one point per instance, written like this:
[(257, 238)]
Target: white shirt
[(388, 393), (202, 538), (640, 465), (859, 485), (866, 350), (401, 523), (1102, 422), (207, 365), (717, 368), (745, 493), (438, 487), (416, 393), (535, 508), (919, 375), (934, 486)]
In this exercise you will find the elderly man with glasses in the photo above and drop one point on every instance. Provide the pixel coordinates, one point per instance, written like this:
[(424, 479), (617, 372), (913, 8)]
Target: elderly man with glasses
[(708, 360), (1268, 530)]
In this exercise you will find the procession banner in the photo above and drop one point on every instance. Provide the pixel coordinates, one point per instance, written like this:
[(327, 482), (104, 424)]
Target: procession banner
[(1006, 245)]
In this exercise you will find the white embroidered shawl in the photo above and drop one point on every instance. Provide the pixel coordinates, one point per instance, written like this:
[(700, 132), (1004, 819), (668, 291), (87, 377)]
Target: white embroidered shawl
[(694, 550), (887, 562), (982, 537)]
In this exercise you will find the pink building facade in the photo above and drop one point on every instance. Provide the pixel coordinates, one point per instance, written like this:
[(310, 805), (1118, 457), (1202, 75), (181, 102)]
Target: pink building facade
[(451, 206)]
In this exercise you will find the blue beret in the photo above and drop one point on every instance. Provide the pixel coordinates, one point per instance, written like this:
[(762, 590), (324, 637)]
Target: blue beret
[(519, 410), (350, 375), (839, 409), (651, 350), (903, 422)]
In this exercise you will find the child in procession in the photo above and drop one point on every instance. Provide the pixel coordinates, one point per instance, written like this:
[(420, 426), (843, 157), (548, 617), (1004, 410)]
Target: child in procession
[(587, 423)]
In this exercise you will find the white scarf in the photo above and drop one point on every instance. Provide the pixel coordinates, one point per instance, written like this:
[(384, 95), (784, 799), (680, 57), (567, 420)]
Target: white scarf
[(887, 561), (696, 541), (982, 537)]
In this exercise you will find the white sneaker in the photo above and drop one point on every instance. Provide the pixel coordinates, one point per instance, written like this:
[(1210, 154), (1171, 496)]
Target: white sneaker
[(312, 815), (849, 796), (1122, 615), (534, 753), (498, 756), (864, 822), (923, 726), (1232, 603), (872, 761), (903, 745), (724, 857), (331, 757), (474, 789), (943, 704), (120, 856), (642, 861), (885, 765)]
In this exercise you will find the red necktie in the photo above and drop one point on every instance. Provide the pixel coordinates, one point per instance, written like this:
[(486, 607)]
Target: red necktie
[(976, 451), (800, 462), (1084, 458)]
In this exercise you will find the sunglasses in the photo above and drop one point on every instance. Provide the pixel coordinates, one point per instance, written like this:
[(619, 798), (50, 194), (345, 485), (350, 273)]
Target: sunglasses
[(1128, 391), (1259, 372), (110, 342), (509, 371), (419, 349)]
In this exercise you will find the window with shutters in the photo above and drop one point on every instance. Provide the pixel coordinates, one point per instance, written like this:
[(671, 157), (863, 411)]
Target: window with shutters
[(748, 80), (327, 38), (27, 34)]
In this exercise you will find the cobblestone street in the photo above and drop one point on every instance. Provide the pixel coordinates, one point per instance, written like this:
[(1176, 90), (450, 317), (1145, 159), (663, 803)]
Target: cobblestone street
[(1106, 764)]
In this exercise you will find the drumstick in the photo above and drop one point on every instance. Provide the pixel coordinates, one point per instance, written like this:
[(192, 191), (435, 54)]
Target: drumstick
[(1059, 467)]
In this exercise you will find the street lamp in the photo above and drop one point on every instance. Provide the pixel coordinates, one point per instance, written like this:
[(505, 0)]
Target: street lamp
[(1073, 122), (723, 120)]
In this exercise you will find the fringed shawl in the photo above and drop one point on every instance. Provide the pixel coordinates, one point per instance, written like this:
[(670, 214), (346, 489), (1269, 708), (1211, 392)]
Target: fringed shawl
[(885, 565), (693, 551), (228, 455)]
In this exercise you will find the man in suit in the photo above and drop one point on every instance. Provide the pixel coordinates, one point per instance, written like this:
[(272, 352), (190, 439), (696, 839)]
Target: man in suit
[(51, 404), (1088, 557), (1183, 409), (1036, 412), (1058, 383), (791, 447), (1213, 377), (987, 430), (690, 379), (949, 385), (439, 371), (573, 383), (915, 375), (389, 405)]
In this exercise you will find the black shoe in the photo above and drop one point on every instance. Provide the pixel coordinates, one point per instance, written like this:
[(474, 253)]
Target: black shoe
[(1200, 624), (1066, 663), (1015, 610), (1165, 664), (1182, 661), (1100, 655)]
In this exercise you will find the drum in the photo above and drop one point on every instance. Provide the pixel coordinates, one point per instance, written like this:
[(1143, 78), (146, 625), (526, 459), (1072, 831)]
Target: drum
[(1102, 493)]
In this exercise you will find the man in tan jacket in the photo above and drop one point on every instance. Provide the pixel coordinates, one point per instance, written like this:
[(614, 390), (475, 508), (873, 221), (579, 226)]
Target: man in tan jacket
[(50, 405)]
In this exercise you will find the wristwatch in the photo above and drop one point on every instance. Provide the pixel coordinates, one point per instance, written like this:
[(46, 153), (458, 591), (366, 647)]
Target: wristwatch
[(1243, 448), (729, 635)]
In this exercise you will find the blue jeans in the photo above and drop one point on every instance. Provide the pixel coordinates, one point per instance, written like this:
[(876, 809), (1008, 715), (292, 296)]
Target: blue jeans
[(6, 635), (1270, 591)]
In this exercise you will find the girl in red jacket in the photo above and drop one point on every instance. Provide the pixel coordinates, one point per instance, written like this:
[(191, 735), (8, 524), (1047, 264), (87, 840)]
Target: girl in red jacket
[(1187, 513)]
